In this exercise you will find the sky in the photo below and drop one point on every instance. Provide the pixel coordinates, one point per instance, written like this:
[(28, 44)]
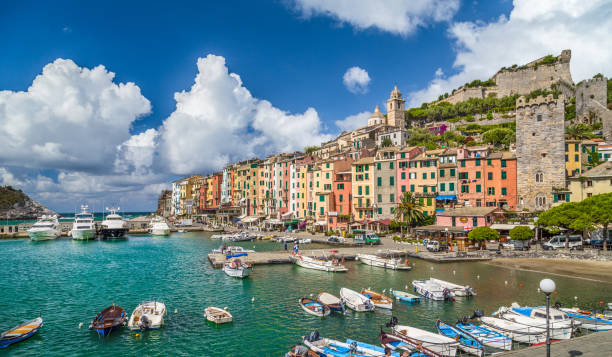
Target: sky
[(108, 103)]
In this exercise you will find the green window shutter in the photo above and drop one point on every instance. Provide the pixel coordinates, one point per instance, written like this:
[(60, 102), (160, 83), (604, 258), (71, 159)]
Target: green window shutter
[(475, 221), (340, 198), (379, 181), (441, 173), (391, 210), (477, 162), (403, 175), (575, 147), (390, 164), (424, 175), (327, 175), (403, 155), (379, 210), (392, 181), (379, 197), (421, 201), (327, 165), (504, 191), (490, 176), (567, 197), (429, 202), (424, 189), (433, 175), (503, 163), (403, 188), (555, 198), (478, 188), (452, 172), (378, 165), (367, 190), (451, 186), (411, 188), (367, 167), (359, 192), (462, 163), (578, 159), (425, 213), (322, 211), (321, 198), (366, 176), (477, 174), (442, 188), (489, 162), (433, 189), (391, 198), (504, 175)]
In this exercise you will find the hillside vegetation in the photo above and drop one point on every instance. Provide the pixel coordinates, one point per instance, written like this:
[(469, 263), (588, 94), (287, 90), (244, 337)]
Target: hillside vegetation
[(9, 196)]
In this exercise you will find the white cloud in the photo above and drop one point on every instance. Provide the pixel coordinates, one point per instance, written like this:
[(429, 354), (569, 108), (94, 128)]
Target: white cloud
[(356, 80), (137, 153), (353, 121), (533, 29), (218, 121), (8, 179), (69, 118), (396, 16)]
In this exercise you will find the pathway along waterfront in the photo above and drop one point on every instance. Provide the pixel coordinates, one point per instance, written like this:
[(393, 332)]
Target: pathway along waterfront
[(69, 282)]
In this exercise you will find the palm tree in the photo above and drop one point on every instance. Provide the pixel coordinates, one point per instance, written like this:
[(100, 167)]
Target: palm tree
[(409, 210)]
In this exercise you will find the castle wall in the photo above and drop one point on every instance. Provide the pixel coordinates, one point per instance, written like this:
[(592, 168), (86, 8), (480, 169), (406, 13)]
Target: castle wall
[(540, 142), (595, 88)]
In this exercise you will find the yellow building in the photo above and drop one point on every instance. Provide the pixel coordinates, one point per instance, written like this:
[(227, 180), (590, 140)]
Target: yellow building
[(423, 180), (301, 209), (362, 172), (242, 186), (596, 181), (578, 155)]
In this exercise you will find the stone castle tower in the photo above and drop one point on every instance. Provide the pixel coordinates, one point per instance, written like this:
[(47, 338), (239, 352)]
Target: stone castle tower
[(540, 153), (395, 109)]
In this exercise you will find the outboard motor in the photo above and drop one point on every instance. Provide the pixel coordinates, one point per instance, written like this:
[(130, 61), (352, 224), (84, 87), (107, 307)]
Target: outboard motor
[(301, 350), (470, 290), (447, 294), (145, 323), (314, 336), (342, 306), (393, 322), (477, 314), (353, 347), (463, 320), (557, 305)]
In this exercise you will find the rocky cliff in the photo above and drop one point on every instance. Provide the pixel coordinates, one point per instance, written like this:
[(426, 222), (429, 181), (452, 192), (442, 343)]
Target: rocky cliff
[(14, 204)]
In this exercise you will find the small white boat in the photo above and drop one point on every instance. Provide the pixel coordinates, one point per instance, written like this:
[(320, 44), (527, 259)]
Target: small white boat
[(236, 268), (217, 315), (318, 264), (83, 227), (314, 307), (181, 231), (387, 263), (589, 320), (333, 302), (328, 347), (517, 332), (432, 290), (356, 301), (442, 345), (458, 290), (305, 241), (159, 227), (406, 297), (378, 299), (149, 315), (561, 326), (46, 228), (232, 249)]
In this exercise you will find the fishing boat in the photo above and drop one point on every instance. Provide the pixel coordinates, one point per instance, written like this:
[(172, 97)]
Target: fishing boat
[(20, 332), (217, 315), (356, 301), (318, 264), (437, 343), (108, 320), (83, 227), (467, 342), (314, 307), (378, 299), (159, 227), (458, 290), (236, 268), (486, 336), (45, 228), (432, 290), (589, 320), (328, 347), (380, 350), (334, 303), (515, 331), (405, 297), (561, 326), (404, 344), (149, 315), (387, 263)]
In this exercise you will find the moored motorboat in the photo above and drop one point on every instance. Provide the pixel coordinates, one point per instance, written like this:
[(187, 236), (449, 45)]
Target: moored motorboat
[(405, 297), (378, 299), (83, 227), (332, 266), (20, 332), (515, 331), (458, 290), (113, 225), (486, 336), (561, 326), (232, 249), (236, 268), (45, 228), (432, 290), (355, 301), (589, 320), (333, 302), (149, 315), (328, 347), (108, 320), (217, 315), (467, 342), (159, 227), (404, 344), (314, 307), (442, 345), (387, 263), (305, 241)]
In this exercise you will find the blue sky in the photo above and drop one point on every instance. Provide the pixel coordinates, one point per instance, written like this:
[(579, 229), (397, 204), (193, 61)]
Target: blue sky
[(290, 55)]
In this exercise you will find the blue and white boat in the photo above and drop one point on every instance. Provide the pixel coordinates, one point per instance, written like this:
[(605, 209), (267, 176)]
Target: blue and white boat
[(432, 290), (406, 297), (381, 349), (20, 332), (467, 342), (561, 326), (589, 320), (486, 336), (333, 348)]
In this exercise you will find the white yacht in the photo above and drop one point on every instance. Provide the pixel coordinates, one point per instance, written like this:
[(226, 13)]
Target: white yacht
[(113, 225), (159, 227), (83, 227), (47, 227)]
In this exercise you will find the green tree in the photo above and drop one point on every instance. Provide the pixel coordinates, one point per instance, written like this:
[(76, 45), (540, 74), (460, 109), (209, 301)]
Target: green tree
[(409, 210), (386, 143), (310, 149), (484, 233), (578, 132), (567, 217), (600, 209), (521, 233), (499, 136)]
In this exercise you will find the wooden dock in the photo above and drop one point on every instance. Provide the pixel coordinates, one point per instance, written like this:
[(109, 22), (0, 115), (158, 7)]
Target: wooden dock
[(596, 344)]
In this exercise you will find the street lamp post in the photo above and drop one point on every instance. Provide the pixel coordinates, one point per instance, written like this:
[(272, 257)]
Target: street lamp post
[(547, 286), (446, 230)]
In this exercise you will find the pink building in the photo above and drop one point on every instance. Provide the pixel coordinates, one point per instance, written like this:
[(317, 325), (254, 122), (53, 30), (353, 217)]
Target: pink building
[(466, 217)]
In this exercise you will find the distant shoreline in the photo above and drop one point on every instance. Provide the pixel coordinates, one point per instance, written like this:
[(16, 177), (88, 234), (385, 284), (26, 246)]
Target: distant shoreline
[(593, 270)]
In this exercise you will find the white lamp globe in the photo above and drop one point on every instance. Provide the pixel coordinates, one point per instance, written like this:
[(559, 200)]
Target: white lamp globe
[(547, 286)]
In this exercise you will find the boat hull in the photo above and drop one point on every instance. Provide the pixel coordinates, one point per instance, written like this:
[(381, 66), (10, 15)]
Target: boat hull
[(160, 232), (375, 261), (467, 343), (314, 307), (113, 233), (315, 265), (43, 235), (434, 342), (237, 273), (83, 234), (487, 337), (422, 289), (355, 301), (516, 332), (217, 316), (31, 328), (405, 297)]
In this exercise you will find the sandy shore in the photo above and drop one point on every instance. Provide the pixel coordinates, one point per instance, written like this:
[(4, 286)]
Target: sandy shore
[(577, 268)]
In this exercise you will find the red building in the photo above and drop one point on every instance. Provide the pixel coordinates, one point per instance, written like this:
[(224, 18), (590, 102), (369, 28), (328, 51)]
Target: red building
[(340, 217)]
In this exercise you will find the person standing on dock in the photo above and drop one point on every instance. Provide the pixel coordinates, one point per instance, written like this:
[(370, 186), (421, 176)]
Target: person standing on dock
[(285, 245)]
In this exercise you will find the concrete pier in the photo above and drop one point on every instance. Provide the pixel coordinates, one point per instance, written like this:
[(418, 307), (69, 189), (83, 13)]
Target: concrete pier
[(596, 344)]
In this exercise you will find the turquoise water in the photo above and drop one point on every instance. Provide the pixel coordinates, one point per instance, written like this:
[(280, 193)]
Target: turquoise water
[(69, 282), (65, 217)]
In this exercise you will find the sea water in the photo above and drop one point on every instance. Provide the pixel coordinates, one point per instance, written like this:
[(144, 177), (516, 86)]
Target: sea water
[(69, 282)]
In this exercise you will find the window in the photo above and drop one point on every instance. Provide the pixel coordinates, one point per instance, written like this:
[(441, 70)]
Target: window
[(589, 194), (429, 202), (463, 175), (465, 189), (378, 165), (474, 221), (452, 172), (451, 186), (403, 175), (504, 191), (379, 210), (424, 189), (539, 117), (379, 197), (403, 188), (340, 197), (403, 155), (575, 147), (359, 191), (566, 148), (441, 173), (462, 163), (327, 175), (379, 181), (391, 164), (491, 190), (477, 162), (411, 188), (589, 183), (540, 201), (539, 177), (321, 198), (489, 162), (504, 175), (442, 187), (490, 176), (367, 189), (433, 175), (478, 188), (412, 175), (391, 198), (454, 222), (392, 210), (327, 165), (322, 211), (503, 163), (366, 175), (367, 167), (477, 174), (424, 175), (576, 158), (392, 181)]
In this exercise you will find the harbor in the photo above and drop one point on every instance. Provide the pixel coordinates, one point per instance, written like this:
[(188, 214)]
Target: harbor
[(267, 316)]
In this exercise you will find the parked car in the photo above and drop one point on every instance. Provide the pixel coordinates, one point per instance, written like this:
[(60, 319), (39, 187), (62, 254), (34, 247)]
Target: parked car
[(598, 244), (366, 237), (335, 239), (558, 242), (436, 246), (520, 244)]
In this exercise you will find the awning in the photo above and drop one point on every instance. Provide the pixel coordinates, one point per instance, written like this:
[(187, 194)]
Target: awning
[(384, 222), (507, 227), (447, 197), (321, 223), (242, 217), (251, 219), (291, 222), (288, 215), (273, 221)]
